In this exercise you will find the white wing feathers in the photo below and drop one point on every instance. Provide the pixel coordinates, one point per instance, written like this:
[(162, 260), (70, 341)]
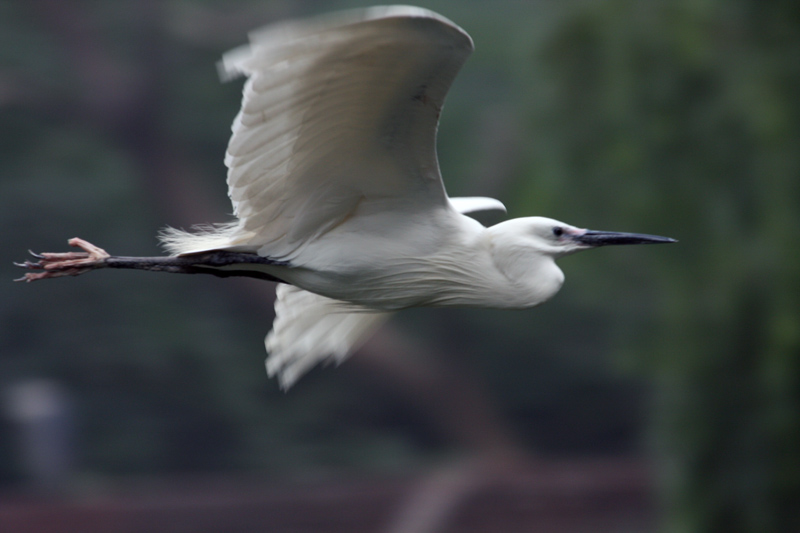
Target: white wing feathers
[(310, 329), (474, 204), (336, 111)]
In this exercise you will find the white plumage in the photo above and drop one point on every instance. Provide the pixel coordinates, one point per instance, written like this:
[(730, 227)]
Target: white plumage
[(332, 172), (310, 328), (336, 111)]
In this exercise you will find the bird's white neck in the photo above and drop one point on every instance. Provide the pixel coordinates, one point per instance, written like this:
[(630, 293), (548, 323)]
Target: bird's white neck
[(531, 277)]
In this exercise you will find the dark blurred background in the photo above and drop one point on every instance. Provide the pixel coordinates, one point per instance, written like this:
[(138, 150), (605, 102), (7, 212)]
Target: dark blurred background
[(659, 390)]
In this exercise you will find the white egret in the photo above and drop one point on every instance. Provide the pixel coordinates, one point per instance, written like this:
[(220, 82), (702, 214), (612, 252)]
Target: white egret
[(335, 184)]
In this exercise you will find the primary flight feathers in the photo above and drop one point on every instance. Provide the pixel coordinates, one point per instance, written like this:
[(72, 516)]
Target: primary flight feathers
[(336, 110)]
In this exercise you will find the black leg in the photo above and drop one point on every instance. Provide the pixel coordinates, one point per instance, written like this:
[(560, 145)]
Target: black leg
[(54, 265)]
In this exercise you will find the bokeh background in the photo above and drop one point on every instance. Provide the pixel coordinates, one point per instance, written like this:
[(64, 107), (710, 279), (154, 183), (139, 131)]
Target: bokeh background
[(668, 376)]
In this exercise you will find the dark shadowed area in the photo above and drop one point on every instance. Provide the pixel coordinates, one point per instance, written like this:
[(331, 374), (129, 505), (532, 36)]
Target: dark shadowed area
[(658, 391)]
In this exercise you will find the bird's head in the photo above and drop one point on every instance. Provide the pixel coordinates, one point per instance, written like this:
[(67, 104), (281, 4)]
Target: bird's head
[(556, 239)]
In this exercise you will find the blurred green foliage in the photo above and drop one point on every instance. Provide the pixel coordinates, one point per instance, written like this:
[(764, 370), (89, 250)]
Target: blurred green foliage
[(691, 108), (673, 117)]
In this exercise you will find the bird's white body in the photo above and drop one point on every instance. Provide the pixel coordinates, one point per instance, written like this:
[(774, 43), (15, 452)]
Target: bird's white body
[(333, 174), (355, 275), (454, 261)]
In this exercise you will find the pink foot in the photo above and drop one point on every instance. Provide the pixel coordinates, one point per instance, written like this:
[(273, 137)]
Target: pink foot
[(56, 265)]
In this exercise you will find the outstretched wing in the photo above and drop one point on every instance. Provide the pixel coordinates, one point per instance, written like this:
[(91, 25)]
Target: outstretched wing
[(338, 111), (310, 329)]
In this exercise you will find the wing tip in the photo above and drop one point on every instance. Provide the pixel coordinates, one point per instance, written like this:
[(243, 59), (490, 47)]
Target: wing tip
[(234, 62), (474, 204), (310, 329)]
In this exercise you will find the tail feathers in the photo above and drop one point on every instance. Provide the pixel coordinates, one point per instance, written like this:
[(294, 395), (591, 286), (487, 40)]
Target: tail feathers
[(310, 329), (203, 238)]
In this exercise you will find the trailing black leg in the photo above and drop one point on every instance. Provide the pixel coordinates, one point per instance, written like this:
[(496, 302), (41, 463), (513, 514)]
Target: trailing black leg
[(54, 265)]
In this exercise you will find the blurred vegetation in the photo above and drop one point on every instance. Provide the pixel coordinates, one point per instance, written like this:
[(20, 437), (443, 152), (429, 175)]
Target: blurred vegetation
[(693, 106), (673, 117)]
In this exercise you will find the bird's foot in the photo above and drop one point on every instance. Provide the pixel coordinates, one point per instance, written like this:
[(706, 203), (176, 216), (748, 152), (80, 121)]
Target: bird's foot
[(56, 265)]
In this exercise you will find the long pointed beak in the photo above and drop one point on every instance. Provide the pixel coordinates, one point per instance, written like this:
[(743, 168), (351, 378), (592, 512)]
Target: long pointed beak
[(605, 238)]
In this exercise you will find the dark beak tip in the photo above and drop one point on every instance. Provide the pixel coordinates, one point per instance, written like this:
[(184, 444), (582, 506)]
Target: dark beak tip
[(603, 238), (661, 240)]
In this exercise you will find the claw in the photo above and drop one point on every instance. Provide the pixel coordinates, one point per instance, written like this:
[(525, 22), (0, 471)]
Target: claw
[(33, 276), (28, 264), (55, 265)]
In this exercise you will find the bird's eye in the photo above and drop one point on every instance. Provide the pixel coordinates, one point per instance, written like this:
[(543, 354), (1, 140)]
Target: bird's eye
[(558, 231)]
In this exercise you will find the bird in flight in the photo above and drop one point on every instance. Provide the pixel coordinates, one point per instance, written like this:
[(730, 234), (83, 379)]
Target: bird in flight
[(336, 190)]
